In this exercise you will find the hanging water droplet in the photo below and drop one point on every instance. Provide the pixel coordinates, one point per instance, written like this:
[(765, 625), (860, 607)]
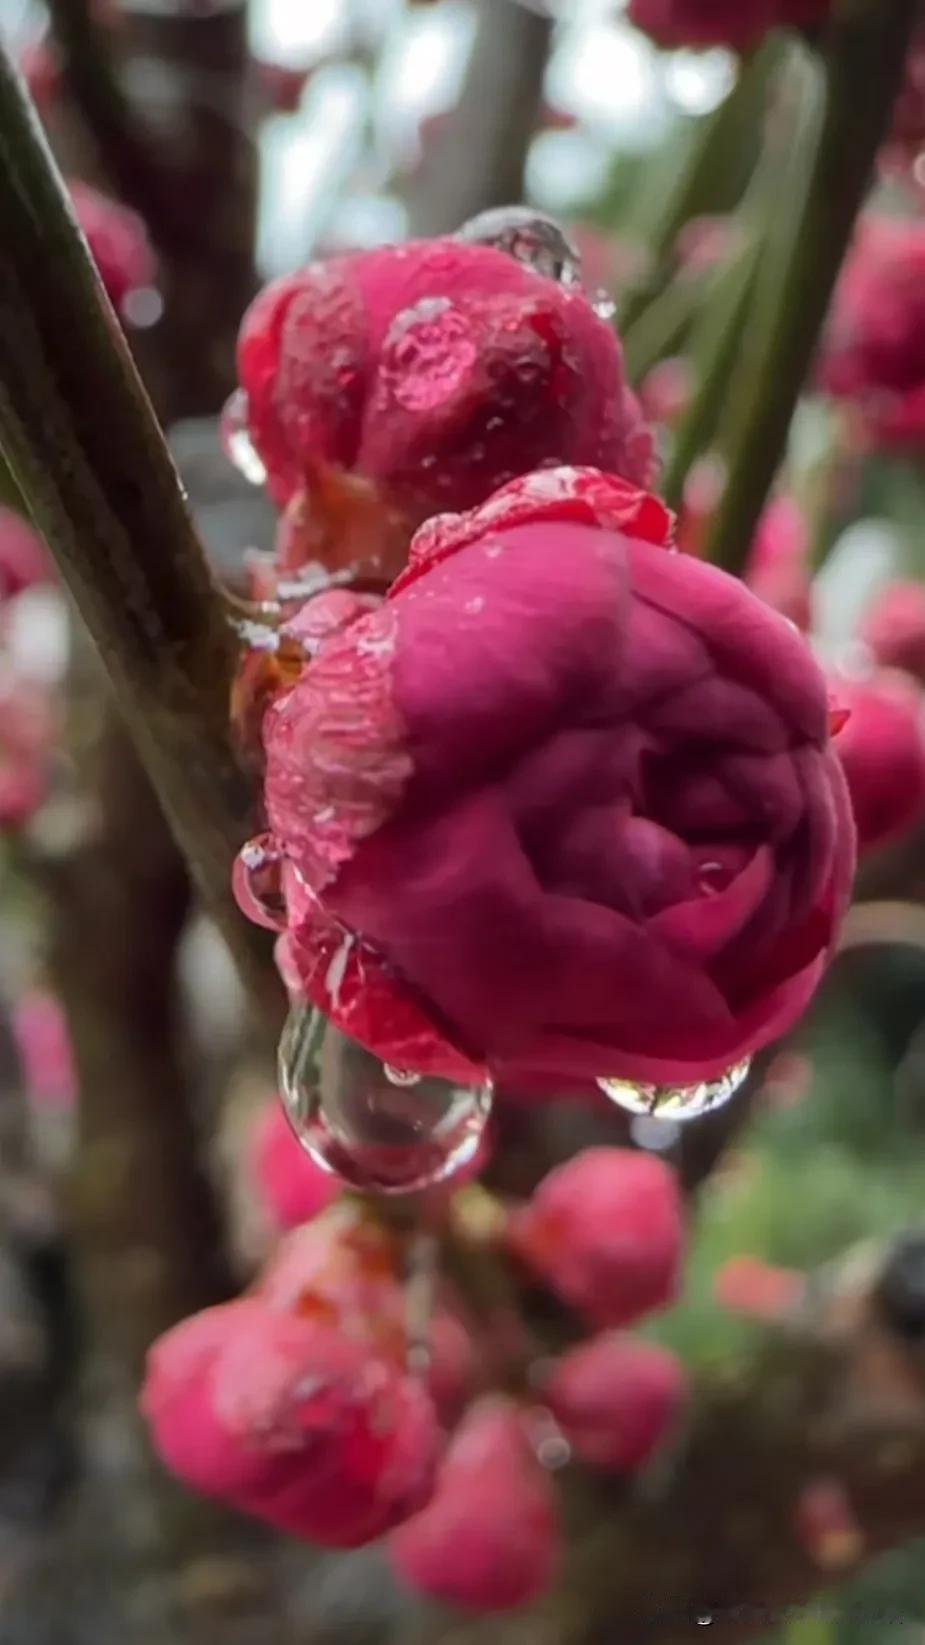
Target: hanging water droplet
[(236, 441), (529, 237), (603, 305), (256, 881), (400, 1076), (676, 1102), (356, 1121)]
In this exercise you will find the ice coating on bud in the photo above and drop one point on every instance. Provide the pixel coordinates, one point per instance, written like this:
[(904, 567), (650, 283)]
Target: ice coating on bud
[(288, 1419), (489, 1538), (615, 1399), (292, 1188), (604, 1231), (882, 752)]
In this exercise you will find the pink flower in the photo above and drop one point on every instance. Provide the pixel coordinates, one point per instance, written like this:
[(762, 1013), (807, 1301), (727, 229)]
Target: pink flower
[(736, 23), (777, 569), (291, 1186), (290, 1420), (882, 752), (24, 559), (44, 1047), (605, 1232), (874, 350), (615, 1399), (894, 628), (430, 373), (118, 242), (489, 1539), (564, 804)]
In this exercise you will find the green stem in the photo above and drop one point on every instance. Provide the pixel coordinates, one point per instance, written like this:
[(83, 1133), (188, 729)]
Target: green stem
[(85, 449), (864, 55), (712, 355), (717, 141)]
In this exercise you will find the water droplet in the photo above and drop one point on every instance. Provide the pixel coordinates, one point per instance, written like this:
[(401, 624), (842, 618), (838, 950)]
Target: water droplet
[(704, 1621), (400, 1076), (655, 1135), (428, 353), (529, 237), (256, 881), (236, 441), (356, 1120), (603, 305), (712, 877), (676, 1102)]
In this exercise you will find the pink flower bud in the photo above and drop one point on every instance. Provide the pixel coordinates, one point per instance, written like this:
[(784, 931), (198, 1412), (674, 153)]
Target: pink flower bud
[(292, 1187), (872, 353), (758, 1290), (44, 1047), (777, 569), (118, 242), (482, 875), (489, 1538), (882, 752), (429, 374), (291, 1421), (894, 628), (605, 1232), (615, 1399), (24, 559)]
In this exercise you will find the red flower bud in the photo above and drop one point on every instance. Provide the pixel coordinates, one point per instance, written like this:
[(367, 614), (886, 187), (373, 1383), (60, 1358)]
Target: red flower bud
[(563, 805), (615, 1399), (873, 354), (24, 559), (118, 242), (894, 628), (434, 371), (291, 1421), (882, 752), (605, 1232), (489, 1539), (291, 1186)]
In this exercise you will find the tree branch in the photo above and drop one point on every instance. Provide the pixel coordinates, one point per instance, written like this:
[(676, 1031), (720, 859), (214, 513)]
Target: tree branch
[(78, 432), (482, 155)]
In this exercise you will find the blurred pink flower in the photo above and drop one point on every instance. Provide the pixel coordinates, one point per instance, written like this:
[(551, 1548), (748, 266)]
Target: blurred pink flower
[(289, 1419), (604, 1231), (882, 753), (873, 353), (489, 1539)]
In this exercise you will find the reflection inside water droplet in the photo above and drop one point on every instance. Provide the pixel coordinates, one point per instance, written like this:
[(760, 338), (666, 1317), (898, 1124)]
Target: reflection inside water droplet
[(360, 1122), (529, 237), (676, 1102), (236, 441), (256, 881)]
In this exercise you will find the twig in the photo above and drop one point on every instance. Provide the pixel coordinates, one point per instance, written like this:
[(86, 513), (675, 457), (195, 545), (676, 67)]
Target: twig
[(79, 434)]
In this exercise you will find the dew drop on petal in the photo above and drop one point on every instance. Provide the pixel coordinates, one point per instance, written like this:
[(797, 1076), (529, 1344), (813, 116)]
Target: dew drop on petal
[(529, 237), (603, 305), (358, 1121), (677, 1103), (256, 881), (236, 441), (712, 877)]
